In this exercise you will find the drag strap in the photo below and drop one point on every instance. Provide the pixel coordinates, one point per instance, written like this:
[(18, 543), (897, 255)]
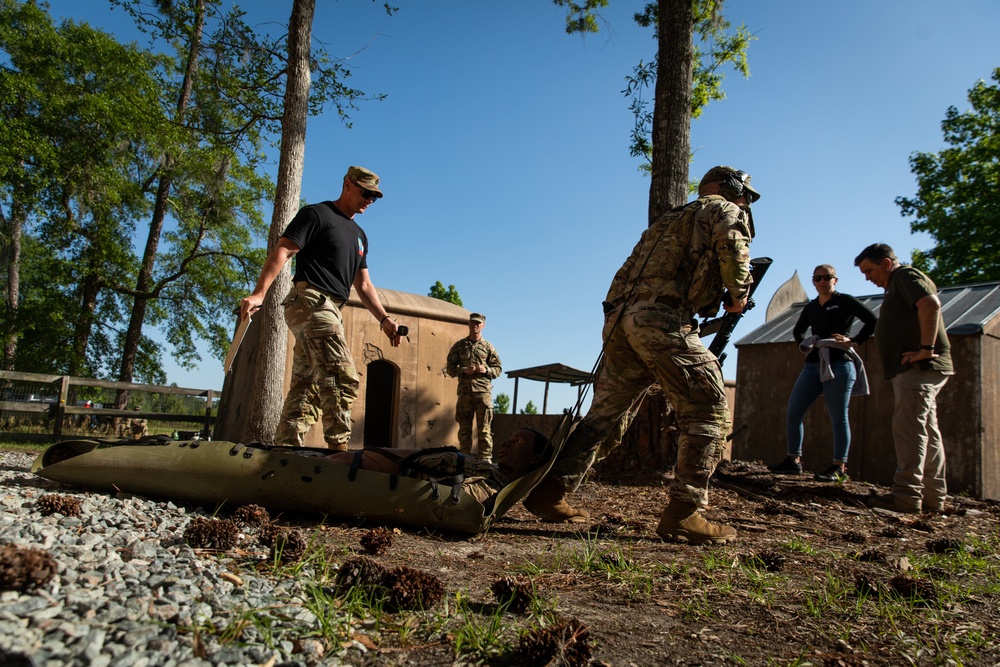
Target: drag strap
[(355, 465), (412, 466)]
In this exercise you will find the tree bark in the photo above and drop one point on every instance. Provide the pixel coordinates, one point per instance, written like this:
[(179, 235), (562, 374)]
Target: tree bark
[(12, 263), (90, 288), (672, 108), (649, 444), (261, 398)]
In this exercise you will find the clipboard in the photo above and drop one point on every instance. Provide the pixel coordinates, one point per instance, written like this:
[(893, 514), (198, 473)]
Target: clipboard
[(241, 331)]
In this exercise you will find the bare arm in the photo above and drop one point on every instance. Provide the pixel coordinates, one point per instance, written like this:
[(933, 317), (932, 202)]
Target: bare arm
[(369, 297), (928, 311), (282, 251)]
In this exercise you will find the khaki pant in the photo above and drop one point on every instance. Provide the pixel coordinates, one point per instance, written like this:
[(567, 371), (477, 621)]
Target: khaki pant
[(479, 406), (324, 381), (919, 481), (654, 343)]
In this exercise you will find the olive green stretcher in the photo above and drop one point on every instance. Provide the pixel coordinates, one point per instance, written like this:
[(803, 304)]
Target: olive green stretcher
[(279, 478)]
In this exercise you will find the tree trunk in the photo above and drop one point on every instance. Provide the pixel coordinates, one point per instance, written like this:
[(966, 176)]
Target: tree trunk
[(14, 228), (649, 445), (144, 285), (651, 439), (88, 304), (261, 398), (672, 107)]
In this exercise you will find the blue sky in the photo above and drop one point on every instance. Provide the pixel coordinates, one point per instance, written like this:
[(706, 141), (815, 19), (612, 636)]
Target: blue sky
[(502, 147)]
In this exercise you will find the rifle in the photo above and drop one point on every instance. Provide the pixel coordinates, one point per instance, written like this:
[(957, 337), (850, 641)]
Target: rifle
[(723, 326)]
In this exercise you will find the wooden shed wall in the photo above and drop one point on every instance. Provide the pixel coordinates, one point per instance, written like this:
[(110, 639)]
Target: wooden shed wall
[(968, 410)]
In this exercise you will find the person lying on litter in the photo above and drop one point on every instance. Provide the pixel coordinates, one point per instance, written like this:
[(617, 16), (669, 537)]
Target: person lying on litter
[(525, 450)]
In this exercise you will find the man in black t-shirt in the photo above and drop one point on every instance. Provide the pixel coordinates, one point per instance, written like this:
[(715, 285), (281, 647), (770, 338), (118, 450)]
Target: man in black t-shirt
[(331, 255)]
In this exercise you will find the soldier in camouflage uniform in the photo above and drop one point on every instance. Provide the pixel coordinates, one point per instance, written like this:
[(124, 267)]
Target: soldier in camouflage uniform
[(331, 256), (524, 451), (474, 362), (679, 269)]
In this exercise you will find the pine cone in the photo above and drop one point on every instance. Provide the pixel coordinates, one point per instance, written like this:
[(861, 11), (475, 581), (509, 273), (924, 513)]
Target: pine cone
[(518, 592), (51, 503), (361, 571), (24, 568), (288, 545), (376, 541), (566, 643), (252, 517), (203, 533), (412, 589)]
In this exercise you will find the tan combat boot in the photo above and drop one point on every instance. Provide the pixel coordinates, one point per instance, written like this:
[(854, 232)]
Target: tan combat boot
[(548, 501), (682, 522)]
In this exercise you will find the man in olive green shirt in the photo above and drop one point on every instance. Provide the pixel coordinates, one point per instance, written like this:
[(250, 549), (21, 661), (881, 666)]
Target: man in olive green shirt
[(916, 358)]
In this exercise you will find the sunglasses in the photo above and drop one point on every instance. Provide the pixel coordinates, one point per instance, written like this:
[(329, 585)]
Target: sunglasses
[(817, 279), (369, 194)]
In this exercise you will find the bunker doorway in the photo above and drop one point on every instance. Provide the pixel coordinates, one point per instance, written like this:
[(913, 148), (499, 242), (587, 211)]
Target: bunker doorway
[(381, 398)]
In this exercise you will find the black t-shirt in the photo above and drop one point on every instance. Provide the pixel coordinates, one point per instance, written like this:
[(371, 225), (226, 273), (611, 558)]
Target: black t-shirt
[(835, 316), (332, 248)]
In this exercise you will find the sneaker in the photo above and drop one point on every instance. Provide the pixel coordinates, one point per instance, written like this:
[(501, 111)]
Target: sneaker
[(891, 503), (832, 474), (787, 467)]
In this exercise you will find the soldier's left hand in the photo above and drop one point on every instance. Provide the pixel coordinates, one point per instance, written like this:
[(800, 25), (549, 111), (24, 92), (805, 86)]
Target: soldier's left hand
[(735, 306)]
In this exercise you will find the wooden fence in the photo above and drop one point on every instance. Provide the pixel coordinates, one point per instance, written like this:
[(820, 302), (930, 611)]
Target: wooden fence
[(59, 410)]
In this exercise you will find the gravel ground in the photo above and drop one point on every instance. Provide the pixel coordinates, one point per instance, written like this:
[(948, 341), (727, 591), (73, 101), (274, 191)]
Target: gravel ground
[(128, 590)]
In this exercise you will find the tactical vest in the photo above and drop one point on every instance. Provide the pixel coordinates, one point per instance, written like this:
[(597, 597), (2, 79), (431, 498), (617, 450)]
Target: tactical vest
[(675, 257), (444, 466)]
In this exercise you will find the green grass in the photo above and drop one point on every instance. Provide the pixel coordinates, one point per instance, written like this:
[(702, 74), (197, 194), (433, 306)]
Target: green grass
[(30, 447)]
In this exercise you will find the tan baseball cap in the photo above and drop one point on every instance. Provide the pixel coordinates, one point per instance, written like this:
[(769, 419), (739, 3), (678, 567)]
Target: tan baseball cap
[(365, 178), (477, 317)]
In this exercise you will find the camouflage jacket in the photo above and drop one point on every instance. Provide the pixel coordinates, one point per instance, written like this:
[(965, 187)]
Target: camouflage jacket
[(447, 466), (470, 353), (691, 253)]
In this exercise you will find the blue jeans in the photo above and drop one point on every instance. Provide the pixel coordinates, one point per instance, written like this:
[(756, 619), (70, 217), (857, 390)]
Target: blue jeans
[(837, 393)]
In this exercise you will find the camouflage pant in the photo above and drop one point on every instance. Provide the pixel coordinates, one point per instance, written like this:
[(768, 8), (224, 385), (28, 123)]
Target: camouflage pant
[(479, 406), (654, 343), (324, 380)]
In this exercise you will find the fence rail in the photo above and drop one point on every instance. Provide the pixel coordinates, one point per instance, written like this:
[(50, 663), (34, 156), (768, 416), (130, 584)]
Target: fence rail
[(57, 408)]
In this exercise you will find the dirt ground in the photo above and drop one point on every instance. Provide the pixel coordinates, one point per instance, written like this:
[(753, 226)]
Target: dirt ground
[(814, 578)]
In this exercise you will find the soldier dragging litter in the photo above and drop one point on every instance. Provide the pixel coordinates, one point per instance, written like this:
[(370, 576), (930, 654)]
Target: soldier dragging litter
[(474, 362), (682, 266)]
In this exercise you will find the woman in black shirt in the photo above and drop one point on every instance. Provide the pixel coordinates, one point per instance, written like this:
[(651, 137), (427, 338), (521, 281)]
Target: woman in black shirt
[(830, 316)]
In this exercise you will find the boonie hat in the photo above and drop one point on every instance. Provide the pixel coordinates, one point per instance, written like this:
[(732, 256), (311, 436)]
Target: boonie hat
[(723, 173), (365, 178), (477, 317)]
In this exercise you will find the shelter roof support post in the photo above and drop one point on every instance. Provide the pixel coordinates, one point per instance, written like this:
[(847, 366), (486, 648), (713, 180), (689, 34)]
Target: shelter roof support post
[(206, 432), (513, 409)]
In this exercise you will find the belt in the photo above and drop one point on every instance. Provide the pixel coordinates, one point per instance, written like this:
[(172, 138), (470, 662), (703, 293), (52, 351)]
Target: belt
[(663, 299), (302, 284)]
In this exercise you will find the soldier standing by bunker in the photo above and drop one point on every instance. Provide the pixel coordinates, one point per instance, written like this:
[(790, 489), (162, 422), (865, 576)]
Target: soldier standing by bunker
[(680, 268), (474, 361), (331, 255)]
